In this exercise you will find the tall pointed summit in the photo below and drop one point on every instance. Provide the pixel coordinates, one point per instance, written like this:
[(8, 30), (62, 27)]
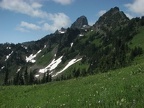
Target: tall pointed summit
[(80, 22)]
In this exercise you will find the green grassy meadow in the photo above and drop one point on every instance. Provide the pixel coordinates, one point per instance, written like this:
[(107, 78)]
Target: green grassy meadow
[(121, 88)]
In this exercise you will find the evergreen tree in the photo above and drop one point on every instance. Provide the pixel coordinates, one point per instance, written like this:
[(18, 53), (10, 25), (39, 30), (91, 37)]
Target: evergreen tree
[(142, 20), (6, 76), (62, 77), (50, 78), (16, 79), (77, 73), (21, 79), (31, 78), (47, 77), (26, 76), (83, 72), (44, 78)]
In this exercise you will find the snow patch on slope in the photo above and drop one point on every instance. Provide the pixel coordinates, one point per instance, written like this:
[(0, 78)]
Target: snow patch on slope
[(2, 68), (31, 57), (24, 47), (52, 65), (37, 76), (73, 61), (18, 70), (8, 48), (62, 32), (45, 46), (7, 57), (81, 35), (71, 44)]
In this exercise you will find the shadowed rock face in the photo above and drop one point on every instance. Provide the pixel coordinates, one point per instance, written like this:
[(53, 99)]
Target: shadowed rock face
[(80, 22)]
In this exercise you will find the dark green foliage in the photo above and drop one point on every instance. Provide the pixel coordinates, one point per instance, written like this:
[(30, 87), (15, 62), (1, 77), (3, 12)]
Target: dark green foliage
[(46, 78), (6, 76), (16, 79), (21, 79), (83, 72), (31, 78), (66, 40), (76, 73), (26, 76), (136, 52), (142, 20)]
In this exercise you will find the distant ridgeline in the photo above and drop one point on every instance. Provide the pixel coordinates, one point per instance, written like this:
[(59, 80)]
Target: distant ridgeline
[(72, 52)]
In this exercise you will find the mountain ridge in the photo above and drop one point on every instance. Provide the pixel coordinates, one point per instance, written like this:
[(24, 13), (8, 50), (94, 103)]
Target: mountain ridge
[(115, 17)]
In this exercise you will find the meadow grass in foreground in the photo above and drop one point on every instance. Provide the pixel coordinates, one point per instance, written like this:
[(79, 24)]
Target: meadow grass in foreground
[(122, 88)]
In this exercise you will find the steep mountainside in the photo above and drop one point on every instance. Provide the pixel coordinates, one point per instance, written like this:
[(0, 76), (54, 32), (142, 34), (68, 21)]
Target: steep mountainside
[(111, 19), (77, 51)]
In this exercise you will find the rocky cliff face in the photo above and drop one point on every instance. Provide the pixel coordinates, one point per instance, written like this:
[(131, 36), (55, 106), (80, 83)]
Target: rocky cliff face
[(80, 22)]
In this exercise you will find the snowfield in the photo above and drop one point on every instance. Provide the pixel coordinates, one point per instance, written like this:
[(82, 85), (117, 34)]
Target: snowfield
[(31, 57), (18, 70), (73, 61), (45, 46), (7, 57), (8, 48), (24, 47), (37, 76), (81, 35), (62, 31), (71, 44), (2, 68), (52, 65)]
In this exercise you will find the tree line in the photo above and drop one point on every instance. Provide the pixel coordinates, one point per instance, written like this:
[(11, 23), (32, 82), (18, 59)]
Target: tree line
[(26, 78)]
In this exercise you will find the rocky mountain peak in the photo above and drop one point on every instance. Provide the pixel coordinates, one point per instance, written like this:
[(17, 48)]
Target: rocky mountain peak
[(80, 22), (111, 19)]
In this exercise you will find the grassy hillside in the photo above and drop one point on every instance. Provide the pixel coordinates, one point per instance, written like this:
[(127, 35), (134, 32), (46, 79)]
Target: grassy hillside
[(117, 89), (138, 39)]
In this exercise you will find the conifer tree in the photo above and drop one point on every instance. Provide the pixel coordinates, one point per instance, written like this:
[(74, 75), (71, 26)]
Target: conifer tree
[(47, 77), (6, 76), (44, 78), (26, 76), (16, 79), (21, 79), (31, 78)]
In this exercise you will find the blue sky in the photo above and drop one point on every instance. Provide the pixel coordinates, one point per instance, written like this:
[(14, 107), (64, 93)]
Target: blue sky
[(28, 20)]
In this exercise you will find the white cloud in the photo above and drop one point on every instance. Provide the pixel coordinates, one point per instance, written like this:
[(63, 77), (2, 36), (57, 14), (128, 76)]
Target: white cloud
[(36, 5), (101, 12), (22, 29), (136, 7), (41, 22), (34, 9), (129, 16), (64, 2), (20, 6), (59, 20), (29, 26)]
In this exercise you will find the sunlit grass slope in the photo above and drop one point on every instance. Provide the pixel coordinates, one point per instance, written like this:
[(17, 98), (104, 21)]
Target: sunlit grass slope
[(122, 88)]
